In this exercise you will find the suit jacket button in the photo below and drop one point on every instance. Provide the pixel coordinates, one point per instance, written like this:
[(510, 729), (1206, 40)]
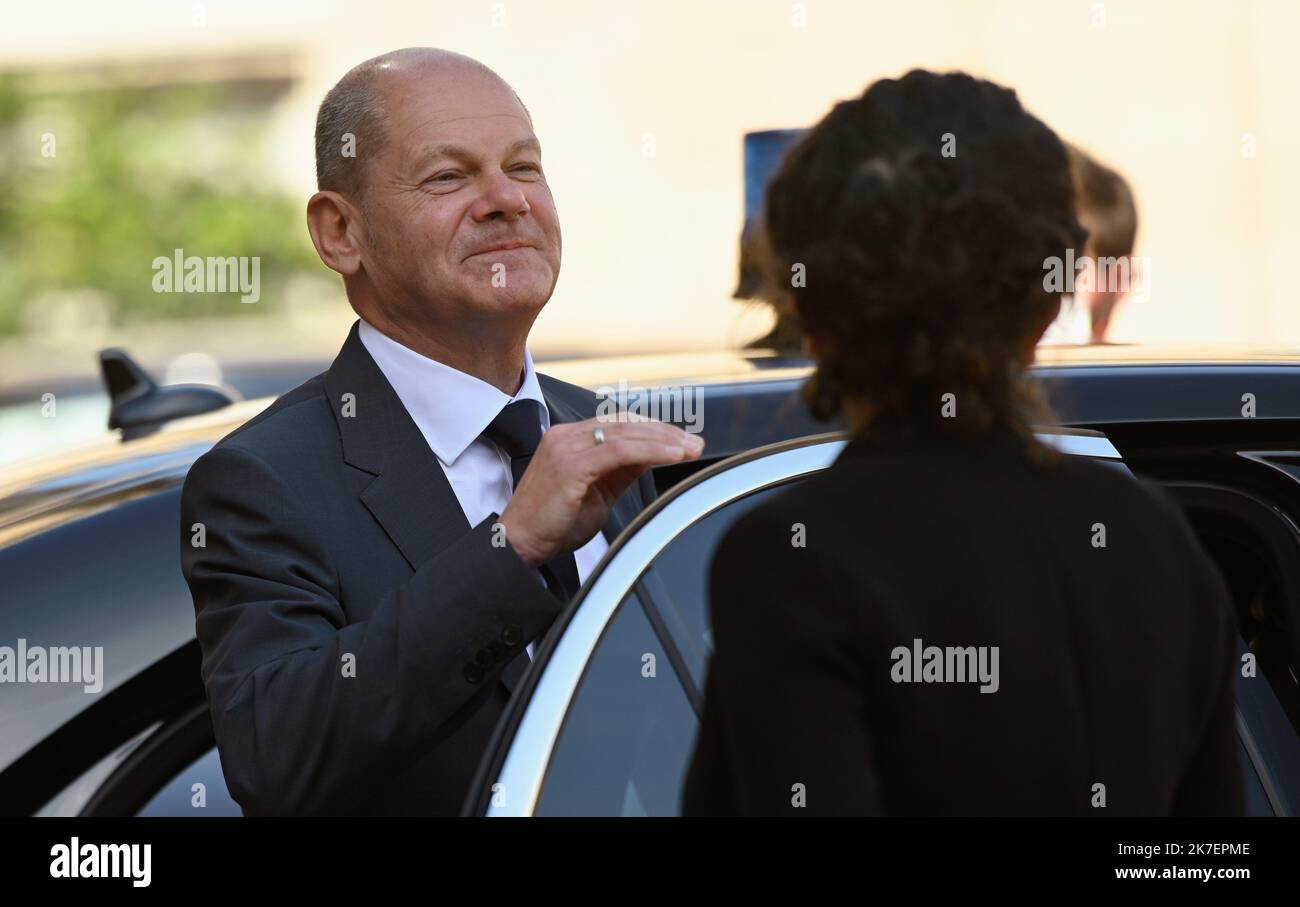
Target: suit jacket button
[(473, 673), (512, 635)]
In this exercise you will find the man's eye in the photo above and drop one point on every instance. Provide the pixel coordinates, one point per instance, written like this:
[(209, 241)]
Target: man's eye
[(445, 177), (529, 167)]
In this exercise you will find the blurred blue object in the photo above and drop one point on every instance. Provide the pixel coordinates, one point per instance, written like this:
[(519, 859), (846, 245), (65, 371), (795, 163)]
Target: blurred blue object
[(764, 150)]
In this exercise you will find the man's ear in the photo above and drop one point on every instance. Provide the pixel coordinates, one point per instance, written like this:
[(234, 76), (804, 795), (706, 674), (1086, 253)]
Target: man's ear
[(335, 227)]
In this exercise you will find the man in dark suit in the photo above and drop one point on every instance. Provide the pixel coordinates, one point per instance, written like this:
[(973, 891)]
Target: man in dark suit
[(381, 547)]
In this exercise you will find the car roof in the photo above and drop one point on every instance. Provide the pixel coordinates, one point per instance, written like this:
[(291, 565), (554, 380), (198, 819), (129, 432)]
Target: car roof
[(34, 483), (1165, 354), (44, 491)]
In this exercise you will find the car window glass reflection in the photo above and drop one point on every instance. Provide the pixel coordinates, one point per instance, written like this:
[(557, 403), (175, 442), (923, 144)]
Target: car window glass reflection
[(177, 797), (676, 584), (625, 741)]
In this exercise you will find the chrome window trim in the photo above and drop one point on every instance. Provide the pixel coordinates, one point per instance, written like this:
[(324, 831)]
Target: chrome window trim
[(69, 802), (1095, 446), (529, 754), (1269, 458)]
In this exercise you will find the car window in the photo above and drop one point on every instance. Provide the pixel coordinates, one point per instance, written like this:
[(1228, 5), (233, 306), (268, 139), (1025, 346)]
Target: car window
[(676, 584), (594, 734), (626, 739), (179, 797)]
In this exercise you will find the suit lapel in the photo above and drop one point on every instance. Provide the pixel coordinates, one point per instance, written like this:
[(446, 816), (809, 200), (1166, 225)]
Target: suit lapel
[(410, 495), (379, 437)]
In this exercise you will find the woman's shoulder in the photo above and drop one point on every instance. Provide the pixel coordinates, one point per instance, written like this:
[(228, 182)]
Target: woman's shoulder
[(927, 487), (790, 534)]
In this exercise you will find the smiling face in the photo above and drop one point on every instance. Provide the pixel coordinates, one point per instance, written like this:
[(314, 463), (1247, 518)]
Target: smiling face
[(459, 224)]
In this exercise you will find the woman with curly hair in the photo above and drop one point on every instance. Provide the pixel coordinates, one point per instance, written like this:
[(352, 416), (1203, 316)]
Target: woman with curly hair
[(952, 619)]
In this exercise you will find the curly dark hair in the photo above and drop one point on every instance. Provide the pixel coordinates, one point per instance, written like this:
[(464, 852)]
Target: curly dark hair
[(920, 215)]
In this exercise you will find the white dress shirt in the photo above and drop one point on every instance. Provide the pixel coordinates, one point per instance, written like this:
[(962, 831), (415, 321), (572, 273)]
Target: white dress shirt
[(452, 409)]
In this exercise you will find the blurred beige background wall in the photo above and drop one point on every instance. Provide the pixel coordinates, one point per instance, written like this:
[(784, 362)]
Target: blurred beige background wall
[(641, 106)]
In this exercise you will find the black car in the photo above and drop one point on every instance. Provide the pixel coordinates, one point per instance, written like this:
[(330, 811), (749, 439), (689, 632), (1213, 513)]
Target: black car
[(605, 721)]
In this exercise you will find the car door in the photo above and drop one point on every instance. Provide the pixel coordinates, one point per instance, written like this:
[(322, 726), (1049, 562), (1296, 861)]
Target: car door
[(606, 722)]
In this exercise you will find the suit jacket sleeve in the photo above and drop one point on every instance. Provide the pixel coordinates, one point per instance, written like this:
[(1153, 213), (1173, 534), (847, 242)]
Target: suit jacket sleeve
[(785, 693), (306, 705)]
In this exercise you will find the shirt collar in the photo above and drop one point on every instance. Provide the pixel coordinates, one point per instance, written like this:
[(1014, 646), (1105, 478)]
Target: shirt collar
[(450, 408)]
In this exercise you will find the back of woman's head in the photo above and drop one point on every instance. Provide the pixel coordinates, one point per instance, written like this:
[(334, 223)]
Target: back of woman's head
[(911, 226)]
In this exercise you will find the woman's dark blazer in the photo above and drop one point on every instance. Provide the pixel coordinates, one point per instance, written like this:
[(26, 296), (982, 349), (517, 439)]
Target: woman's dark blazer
[(1114, 636)]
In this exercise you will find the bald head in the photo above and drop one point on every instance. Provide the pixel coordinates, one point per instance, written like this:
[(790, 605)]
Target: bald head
[(356, 107)]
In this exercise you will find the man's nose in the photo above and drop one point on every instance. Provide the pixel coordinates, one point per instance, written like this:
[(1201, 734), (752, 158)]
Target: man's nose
[(503, 198)]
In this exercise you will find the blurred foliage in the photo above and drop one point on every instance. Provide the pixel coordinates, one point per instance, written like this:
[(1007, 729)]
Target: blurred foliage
[(138, 171)]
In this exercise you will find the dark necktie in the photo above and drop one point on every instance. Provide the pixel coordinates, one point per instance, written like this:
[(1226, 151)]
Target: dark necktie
[(517, 430)]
